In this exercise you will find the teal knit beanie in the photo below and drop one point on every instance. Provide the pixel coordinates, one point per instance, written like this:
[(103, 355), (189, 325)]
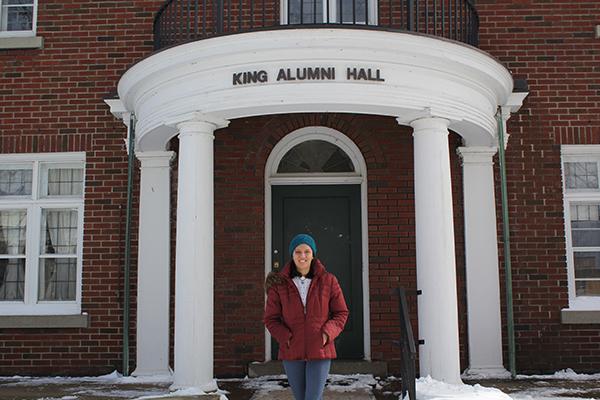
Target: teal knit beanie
[(303, 238)]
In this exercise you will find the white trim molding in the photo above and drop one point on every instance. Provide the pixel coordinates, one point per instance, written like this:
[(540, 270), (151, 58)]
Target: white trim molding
[(154, 258), (358, 177), (194, 264), (435, 252), (481, 260), (407, 73)]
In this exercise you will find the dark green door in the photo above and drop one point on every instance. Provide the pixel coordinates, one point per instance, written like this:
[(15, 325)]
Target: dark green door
[(331, 214)]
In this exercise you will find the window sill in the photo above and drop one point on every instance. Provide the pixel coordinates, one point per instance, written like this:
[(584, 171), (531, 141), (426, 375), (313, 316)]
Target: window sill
[(45, 321), (574, 316), (26, 42)]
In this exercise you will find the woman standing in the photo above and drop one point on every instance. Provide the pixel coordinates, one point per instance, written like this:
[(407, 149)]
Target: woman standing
[(305, 312)]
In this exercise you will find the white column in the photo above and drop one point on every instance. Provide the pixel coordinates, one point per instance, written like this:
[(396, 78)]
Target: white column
[(436, 269), (195, 257), (152, 328), (481, 250)]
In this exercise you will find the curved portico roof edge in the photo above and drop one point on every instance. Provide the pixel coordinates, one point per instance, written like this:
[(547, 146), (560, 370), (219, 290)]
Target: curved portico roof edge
[(317, 70)]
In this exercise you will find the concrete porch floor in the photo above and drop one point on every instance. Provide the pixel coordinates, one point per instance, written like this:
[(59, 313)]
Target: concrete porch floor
[(272, 388)]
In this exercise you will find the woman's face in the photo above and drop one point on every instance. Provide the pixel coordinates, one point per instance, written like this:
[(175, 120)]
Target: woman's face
[(303, 256)]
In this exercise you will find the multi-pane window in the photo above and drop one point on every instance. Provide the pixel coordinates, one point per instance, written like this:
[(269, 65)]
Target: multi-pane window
[(330, 11), (582, 210), (41, 210), (17, 16)]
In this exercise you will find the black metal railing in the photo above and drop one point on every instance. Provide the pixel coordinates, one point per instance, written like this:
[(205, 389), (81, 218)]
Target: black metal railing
[(180, 21), (408, 350)]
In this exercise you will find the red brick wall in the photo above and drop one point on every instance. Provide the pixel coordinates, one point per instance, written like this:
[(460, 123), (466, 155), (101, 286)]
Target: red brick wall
[(241, 152), (551, 44), (96, 349), (52, 100)]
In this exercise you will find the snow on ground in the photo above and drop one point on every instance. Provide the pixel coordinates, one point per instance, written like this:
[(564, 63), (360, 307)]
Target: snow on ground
[(183, 393), (113, 377), (349, 383), (430, 389), (468, 375), (265, 383), (113, 385), (550, 394), (565, 374), (562, 385)]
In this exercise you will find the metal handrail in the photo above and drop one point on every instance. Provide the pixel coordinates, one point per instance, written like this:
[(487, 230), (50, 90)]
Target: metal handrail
[(408, 349), (180, 21)]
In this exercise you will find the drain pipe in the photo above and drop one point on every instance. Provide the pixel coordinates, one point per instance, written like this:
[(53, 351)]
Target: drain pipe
[(506, 236), (130, 165)]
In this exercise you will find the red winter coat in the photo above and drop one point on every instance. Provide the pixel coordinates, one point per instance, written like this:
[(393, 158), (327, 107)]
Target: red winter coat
[(326, 312)]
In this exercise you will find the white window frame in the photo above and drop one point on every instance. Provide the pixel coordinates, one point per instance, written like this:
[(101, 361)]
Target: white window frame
[(4, 34), (34, 206), (578, 153), (333, 17)]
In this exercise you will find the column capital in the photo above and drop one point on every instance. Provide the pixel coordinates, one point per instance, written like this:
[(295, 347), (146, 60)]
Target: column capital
[(426, 114), (197, 123), (480, 155), (155, 159), (430, 123)]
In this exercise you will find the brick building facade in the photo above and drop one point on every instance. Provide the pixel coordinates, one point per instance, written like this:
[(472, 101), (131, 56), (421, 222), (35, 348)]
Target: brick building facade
[(59, 73)]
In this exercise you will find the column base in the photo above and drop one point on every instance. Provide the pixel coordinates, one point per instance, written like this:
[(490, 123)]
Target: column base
[(491, 372), (167, 373)]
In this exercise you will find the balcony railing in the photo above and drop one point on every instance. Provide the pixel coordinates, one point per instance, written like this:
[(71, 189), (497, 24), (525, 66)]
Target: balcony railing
[(180, 21)]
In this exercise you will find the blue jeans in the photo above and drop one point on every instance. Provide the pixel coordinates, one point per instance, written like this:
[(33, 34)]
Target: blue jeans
[(307, 378)]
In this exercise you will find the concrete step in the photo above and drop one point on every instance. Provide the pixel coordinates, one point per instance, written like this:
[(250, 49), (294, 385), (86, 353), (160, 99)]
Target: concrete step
[(340, 367), (286, 394)]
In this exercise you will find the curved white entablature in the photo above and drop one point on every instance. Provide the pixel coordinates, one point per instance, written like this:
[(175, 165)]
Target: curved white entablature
[(403, 75)]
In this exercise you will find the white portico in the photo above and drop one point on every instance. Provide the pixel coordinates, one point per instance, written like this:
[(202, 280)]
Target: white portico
[(432, 85)]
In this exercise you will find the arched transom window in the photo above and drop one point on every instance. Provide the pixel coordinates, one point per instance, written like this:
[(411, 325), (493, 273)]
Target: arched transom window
[(315, 156)]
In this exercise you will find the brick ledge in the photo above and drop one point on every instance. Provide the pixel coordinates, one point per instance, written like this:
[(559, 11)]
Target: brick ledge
[(45, 321), (17, 42), (573, 316)]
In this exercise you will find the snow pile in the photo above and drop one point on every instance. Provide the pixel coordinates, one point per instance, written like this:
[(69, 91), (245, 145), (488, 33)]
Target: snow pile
[(565, 374), (430, 389)]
